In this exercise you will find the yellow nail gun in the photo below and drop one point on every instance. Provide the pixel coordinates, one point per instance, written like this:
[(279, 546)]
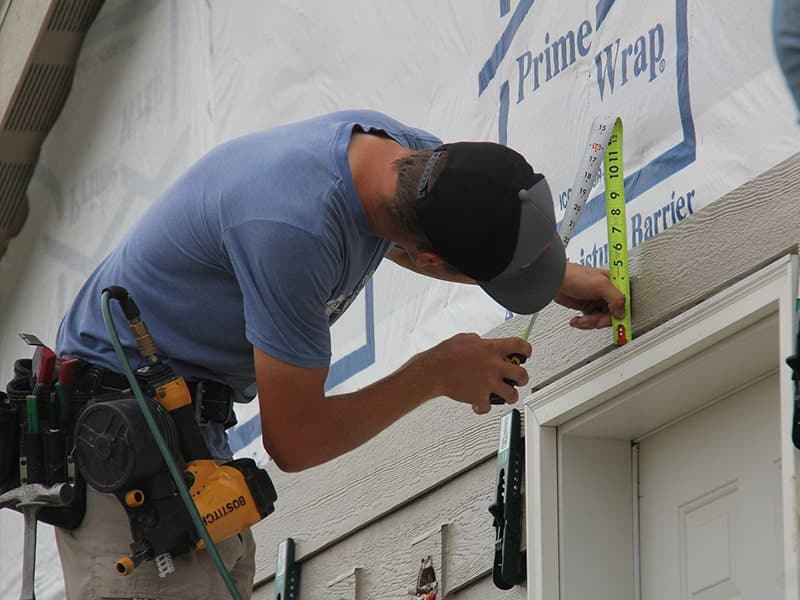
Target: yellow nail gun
[(116, 453)]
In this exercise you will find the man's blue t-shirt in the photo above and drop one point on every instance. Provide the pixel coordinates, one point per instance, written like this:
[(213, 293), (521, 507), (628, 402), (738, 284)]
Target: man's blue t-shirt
[(263, 242)]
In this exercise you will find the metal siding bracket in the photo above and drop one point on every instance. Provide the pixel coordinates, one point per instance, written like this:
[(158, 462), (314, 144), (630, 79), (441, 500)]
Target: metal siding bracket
[(433, 544), (287, 572), (345, 586), (509, 565)]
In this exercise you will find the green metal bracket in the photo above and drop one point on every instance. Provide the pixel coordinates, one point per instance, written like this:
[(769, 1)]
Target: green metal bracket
[(287, 572), (509, 564)]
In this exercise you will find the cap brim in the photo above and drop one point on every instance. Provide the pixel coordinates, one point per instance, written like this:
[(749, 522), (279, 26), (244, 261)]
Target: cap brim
[(530, 289)]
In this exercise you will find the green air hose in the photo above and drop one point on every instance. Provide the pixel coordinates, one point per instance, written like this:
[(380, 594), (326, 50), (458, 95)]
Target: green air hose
[(177, 477)]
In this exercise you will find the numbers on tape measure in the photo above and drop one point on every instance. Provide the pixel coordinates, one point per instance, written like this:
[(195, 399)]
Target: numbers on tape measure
[(605, 141), (617, 230)]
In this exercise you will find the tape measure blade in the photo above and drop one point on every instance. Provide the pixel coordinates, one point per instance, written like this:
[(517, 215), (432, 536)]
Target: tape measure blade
[(588, 168), (617, 229), (587, 172), (594, 154)]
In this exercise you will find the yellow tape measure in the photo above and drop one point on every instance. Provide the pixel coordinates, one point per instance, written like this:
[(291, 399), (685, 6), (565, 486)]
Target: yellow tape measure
[(605, 141), (617, 230)]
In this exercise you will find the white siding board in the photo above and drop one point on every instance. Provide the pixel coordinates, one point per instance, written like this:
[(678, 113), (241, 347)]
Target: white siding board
[(417, 454), (387, 553)]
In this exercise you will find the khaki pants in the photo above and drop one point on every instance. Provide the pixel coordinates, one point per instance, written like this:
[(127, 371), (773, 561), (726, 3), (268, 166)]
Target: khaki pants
[(89, 552)]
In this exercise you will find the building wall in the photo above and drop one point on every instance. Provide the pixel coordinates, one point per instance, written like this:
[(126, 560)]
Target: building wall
[(158, 83)]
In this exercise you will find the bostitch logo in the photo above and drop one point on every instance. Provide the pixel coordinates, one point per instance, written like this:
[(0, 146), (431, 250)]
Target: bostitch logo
[(224, 510), (623, 60)]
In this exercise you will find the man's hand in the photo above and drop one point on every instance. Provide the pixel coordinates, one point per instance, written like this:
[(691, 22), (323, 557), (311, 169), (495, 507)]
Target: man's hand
[(469, 369), (590, 290)]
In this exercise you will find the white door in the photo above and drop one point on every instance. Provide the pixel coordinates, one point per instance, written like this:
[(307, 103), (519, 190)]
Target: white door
[(710, 509)]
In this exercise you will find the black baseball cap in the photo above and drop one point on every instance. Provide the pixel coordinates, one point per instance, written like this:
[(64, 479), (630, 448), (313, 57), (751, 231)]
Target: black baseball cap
[(491, 217)]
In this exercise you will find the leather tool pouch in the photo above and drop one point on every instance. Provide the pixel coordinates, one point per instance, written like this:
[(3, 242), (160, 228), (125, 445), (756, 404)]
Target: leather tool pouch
[(9, 443), (36, 441)]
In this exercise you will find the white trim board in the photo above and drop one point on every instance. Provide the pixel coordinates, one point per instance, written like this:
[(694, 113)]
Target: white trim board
[(745, 331)]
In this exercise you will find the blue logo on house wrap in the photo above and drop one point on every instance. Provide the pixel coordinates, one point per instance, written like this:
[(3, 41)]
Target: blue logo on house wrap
[(630, 57)]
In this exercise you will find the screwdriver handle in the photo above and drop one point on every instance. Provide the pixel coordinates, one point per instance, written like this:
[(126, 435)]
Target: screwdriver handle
[(515, 359)]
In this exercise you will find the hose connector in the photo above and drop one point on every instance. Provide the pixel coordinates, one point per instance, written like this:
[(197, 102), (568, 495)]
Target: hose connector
[(144, 341)]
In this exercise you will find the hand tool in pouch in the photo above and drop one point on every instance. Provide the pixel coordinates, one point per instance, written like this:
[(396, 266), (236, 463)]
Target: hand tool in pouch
[(30, 498)]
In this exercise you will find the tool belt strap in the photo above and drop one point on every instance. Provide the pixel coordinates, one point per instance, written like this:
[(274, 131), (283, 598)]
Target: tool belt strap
[(213, 401)]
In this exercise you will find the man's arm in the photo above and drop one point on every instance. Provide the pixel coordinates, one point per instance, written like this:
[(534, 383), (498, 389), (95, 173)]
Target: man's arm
[(302, 427)]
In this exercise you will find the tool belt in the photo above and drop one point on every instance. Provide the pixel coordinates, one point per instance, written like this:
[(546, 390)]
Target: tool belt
[(38, 413), (213, 401)]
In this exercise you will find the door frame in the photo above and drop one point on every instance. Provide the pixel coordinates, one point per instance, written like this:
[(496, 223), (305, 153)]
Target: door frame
[(580, 491)]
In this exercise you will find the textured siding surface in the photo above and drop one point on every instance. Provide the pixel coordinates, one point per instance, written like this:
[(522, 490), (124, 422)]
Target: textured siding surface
[(363, 522)]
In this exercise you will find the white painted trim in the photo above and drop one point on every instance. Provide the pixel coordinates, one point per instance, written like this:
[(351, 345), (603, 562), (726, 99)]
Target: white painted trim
[(541, 509), (790, 457), (595, 527), (703, 406), (567, 403), (689, 333), (637, 564)]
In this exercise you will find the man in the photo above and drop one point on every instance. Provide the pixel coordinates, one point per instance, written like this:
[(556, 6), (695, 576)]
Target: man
[(243, 264)]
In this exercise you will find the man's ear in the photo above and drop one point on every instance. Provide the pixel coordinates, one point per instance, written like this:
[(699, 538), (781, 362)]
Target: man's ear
[(428, 259)]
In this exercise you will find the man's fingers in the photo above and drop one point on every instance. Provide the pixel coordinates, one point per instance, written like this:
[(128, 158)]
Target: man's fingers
[(507, 392), (481, 409), (514, 345), (514, 373), (615, 300), (593, 321), (617, 305)]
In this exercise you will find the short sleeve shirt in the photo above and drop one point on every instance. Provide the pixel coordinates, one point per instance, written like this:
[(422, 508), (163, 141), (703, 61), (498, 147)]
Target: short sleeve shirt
[(263, 242)]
